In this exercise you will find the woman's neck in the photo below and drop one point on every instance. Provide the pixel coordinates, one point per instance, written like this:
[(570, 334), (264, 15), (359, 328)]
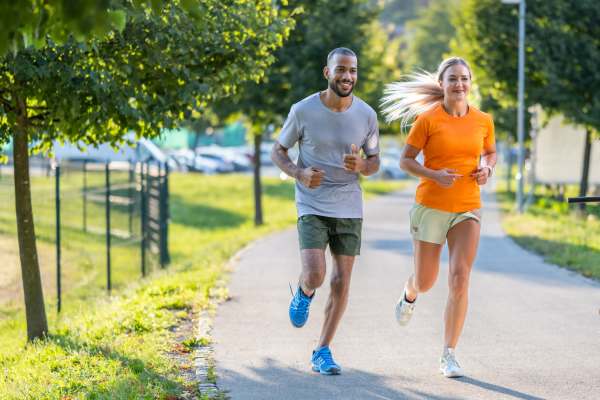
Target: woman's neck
[(456, 108)]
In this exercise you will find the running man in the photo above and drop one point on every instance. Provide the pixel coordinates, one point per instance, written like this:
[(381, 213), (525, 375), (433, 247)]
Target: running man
[(453, 136), (330, 127)]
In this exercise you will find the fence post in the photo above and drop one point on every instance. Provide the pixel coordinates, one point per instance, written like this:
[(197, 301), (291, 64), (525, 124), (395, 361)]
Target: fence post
[(161, 252), (58, 254), (165, 215), (130, 197), (143, 217), (85, 195), (107, 179)]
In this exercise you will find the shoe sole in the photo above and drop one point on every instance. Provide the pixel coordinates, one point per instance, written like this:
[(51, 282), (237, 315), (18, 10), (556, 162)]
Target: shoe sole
[(297, 326), (334, 372), (455, 375)]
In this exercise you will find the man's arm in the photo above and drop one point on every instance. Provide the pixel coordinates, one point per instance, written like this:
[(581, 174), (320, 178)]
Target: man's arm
[(355, 163), (310, 177)]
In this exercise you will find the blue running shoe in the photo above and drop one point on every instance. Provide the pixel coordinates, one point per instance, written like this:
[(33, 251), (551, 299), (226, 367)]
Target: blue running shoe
[(322, 362), (299, 308)]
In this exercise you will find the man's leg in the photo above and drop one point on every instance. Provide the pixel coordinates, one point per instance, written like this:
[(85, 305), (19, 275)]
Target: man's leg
[(345, 246), (311, 277), (322, 360), (313, 270), (313, 235), (338, 297)]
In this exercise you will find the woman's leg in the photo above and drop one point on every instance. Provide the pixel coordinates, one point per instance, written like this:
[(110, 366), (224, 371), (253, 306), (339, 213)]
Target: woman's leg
[(427, 266), (463, 240)]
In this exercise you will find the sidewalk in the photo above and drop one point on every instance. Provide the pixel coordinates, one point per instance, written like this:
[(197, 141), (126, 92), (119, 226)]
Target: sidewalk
[(532, 332)]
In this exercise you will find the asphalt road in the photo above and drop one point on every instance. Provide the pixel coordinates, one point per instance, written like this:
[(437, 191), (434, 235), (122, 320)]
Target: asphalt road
[(532, 331)]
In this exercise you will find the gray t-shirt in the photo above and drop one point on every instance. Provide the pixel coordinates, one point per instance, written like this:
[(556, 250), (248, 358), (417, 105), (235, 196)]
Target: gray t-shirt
[(323, 137)]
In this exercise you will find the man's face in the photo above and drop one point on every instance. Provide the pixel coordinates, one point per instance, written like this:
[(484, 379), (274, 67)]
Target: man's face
[(342, 73)]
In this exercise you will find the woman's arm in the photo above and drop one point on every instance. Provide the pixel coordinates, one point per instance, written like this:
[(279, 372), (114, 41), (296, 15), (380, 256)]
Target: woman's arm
[(444, 177)]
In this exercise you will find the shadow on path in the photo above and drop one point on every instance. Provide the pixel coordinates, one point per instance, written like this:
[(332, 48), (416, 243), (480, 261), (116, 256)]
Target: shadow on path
[(273, 380)]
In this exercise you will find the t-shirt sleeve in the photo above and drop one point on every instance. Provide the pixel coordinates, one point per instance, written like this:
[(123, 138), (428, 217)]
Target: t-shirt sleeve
[(419, 133), (371, 145), (489, 142), (291, 132)]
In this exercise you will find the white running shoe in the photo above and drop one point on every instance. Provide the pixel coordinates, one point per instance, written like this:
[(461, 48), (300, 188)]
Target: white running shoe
[(404, 310), (449, 366)]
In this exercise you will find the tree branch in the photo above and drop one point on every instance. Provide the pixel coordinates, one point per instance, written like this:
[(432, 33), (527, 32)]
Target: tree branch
[(6, 104), (39, 117)]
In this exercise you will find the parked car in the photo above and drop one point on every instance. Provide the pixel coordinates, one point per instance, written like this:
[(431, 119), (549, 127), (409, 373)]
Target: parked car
[(237, 156), (389, 168)]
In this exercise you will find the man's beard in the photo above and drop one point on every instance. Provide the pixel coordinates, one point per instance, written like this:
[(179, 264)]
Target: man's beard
[(333, 86)]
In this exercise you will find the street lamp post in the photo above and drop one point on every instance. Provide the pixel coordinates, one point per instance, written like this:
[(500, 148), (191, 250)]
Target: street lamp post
[(521, 102)]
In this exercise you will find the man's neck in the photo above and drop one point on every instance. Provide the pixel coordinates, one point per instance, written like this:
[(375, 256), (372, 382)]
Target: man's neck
[(334, 102)]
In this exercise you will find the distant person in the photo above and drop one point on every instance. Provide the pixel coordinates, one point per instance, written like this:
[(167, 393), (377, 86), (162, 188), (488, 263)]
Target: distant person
[(454, 136), (330, 128)]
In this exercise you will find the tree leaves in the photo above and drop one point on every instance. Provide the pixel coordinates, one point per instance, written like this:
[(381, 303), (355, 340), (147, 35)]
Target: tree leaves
[(562, 54), (146, 76)]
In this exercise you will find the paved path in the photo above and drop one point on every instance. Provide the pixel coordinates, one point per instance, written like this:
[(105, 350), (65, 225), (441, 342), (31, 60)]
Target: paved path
[(532, 332)]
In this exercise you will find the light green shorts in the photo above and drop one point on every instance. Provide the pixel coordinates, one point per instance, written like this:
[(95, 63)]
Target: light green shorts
[(431, 225)]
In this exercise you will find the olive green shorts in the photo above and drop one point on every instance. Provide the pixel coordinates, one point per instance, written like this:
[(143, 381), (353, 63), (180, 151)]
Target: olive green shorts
[(431, 225), (342, 234)]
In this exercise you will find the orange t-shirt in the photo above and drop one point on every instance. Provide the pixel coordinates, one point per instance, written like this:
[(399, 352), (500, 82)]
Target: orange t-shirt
[(456, 143)]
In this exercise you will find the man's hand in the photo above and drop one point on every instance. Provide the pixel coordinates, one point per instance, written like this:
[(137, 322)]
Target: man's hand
[(482, 174), (445, 177), (354, 162), (310, 177)]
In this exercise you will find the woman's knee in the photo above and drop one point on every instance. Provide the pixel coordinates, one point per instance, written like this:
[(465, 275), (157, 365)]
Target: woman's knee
[(459, 283), (423, 285)]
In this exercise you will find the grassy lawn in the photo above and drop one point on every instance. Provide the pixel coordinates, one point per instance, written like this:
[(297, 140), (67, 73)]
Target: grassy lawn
[(117, 347), (83, 252), (552, 229)]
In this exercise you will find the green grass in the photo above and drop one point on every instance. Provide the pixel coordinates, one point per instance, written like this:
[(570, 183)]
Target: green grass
[(554, 230), (117, 347), (83, 253)]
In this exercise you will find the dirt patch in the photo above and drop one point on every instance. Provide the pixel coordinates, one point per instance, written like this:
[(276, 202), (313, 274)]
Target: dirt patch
[(11, 287)]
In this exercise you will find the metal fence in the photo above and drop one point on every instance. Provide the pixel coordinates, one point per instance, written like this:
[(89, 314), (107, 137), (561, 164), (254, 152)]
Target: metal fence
[(98, 225)]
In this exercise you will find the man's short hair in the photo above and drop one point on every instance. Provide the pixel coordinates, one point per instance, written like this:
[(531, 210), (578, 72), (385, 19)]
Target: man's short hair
[(343, 51)]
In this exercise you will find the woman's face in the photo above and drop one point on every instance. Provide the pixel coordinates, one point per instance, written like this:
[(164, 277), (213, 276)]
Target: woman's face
[(456, 83)]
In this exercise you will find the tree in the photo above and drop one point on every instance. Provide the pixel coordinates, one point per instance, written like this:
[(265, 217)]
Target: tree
[(429, 36), (562, 55), (166, 63), (321, 25)]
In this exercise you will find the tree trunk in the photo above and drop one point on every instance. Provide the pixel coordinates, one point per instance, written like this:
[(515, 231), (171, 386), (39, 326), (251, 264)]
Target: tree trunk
[(585, 171), (258, 214), (37, 325)]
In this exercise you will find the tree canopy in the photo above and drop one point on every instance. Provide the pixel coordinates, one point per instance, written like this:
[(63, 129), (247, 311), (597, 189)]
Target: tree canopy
[(138, 66), (562, 54), (162, 66)]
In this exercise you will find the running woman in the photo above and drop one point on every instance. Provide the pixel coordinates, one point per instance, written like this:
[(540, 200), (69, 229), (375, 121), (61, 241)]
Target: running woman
[(330, 127), (458, 145)]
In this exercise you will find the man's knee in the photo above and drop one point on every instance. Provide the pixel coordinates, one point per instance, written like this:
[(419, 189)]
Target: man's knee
[(314, 278), (340, 284)]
